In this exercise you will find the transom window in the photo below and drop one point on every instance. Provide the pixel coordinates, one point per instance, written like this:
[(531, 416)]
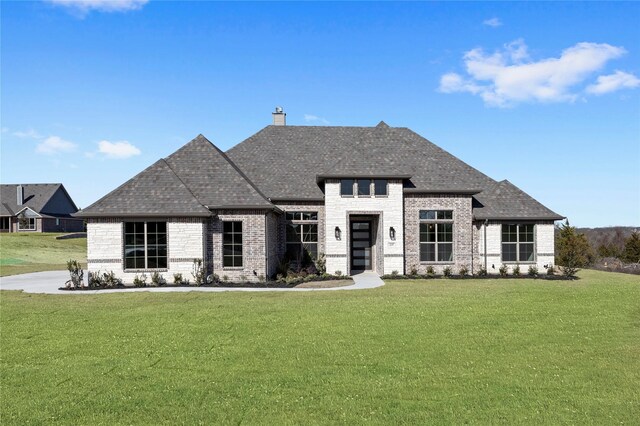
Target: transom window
[(145, 245), (436, 235), (302, 234), (232, 244), (364, 187), (27, 223), (518, 243)]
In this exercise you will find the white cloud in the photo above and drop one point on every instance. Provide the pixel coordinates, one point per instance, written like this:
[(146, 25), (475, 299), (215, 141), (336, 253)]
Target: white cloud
[(28, 134), (117, 150), (493, 22), (310, 118), (612, 82), (85, 6), (509, 76), (55, 145)]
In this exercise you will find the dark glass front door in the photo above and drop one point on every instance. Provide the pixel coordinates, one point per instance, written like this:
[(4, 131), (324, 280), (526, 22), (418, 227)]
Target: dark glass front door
[(360, 245)]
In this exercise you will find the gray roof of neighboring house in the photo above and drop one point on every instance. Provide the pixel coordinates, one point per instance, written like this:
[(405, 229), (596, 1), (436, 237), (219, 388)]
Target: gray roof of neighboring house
[(36, 197), (189, 182), (504, 200)]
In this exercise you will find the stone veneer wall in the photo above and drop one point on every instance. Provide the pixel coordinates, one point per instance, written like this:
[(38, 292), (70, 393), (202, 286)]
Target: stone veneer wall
[(389, 213), (254, 244), (272, 221), (105, 249), (544, 246), (464, 253)]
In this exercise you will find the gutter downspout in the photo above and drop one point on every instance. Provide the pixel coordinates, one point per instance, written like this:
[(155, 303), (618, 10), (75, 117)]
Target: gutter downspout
[(486, 221)]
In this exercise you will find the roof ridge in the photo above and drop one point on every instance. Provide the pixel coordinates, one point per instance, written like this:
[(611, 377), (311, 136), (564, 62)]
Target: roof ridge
[(181, 181), (237, 169)]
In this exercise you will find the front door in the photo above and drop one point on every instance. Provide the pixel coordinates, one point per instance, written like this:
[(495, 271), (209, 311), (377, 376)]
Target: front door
[(360, 245)]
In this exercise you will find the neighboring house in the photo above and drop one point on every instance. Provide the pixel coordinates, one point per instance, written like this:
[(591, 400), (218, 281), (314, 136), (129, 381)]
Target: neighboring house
[(37, 207), (368, 198)]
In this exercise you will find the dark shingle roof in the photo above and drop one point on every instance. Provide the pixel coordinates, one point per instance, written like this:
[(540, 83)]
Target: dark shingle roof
[(214, 179), (285, 160), (154, 191), (504, 200), (189, 182), (36, 197)]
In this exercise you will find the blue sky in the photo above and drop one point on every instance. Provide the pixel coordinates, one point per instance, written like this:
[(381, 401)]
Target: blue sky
[(546, 95)]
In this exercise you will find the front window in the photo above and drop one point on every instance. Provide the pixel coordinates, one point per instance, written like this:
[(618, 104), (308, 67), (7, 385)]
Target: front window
[(381, 187), (364, 187), (518, 243), (145, 245), (27, 223), (346, 187), (436, 235), (302, 234), (232, 244)]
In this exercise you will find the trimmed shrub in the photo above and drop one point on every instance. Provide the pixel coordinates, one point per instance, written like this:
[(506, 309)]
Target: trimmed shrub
[(430, 271), (140, 281), (503, 270), (157, 279), (482, 271), (177, 278), (533, 271), (76, 273), (463, 271), (516, 271), (446, 271)]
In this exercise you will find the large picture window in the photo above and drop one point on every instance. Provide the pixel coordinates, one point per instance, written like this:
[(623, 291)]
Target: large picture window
[(436, 235), (26, 223), (302, 234), (145, 245), (518, 243), (232, 244)]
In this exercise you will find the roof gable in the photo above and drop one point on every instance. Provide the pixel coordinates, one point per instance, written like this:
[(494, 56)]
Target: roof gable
[(156, 191), (213, 178)]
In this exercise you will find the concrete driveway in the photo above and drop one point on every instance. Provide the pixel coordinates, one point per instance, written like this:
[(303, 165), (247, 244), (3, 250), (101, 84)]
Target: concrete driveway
[(48, 283)]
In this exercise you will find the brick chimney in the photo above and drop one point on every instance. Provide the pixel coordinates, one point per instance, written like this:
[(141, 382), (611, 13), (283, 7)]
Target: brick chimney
[(279, 117), (19, 195)]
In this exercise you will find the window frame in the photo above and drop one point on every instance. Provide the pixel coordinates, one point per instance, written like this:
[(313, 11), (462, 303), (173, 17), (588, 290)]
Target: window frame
[(146, 245), (436, 243), (386, 188), (29, 227), (353, 188), (297, 217), (517, 243), (233, 244)]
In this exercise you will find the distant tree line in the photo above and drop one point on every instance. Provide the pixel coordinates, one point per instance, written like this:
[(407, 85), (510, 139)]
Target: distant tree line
[(583, 248)]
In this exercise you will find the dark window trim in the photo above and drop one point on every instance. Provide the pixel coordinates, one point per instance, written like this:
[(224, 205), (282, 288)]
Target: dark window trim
[(517, 243), (146, 248), (436, 242), (303, 222), (233, 243)]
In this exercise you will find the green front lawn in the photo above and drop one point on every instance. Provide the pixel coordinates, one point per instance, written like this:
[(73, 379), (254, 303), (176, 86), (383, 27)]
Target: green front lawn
[(415, 352), (24, 252)]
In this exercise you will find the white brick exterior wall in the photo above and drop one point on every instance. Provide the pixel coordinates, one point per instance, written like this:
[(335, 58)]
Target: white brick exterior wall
[(544, 247), (390, 211), (185, 239)]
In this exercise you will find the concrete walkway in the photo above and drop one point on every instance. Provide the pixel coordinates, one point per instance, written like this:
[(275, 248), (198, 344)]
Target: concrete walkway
[(48, 283)]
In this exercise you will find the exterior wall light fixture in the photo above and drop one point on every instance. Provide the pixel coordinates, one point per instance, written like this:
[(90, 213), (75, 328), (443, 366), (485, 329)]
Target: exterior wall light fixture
[(392, 233), (338, 233)]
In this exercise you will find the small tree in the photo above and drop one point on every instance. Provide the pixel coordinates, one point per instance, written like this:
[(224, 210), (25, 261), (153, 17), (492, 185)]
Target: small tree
[(573, 250), (631, 253)]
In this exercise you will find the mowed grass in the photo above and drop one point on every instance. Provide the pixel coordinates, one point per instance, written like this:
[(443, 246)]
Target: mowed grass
[(413, 352), (23, 252)]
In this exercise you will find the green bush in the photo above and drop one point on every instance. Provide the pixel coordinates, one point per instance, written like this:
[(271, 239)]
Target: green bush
[(77, 274), (516, 271), (446, 271), (177, 278), (573, 250), (463, 271), (430, 271), (503, 270), (533, 271), (140, 281), (157, 279), (482, 271)]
